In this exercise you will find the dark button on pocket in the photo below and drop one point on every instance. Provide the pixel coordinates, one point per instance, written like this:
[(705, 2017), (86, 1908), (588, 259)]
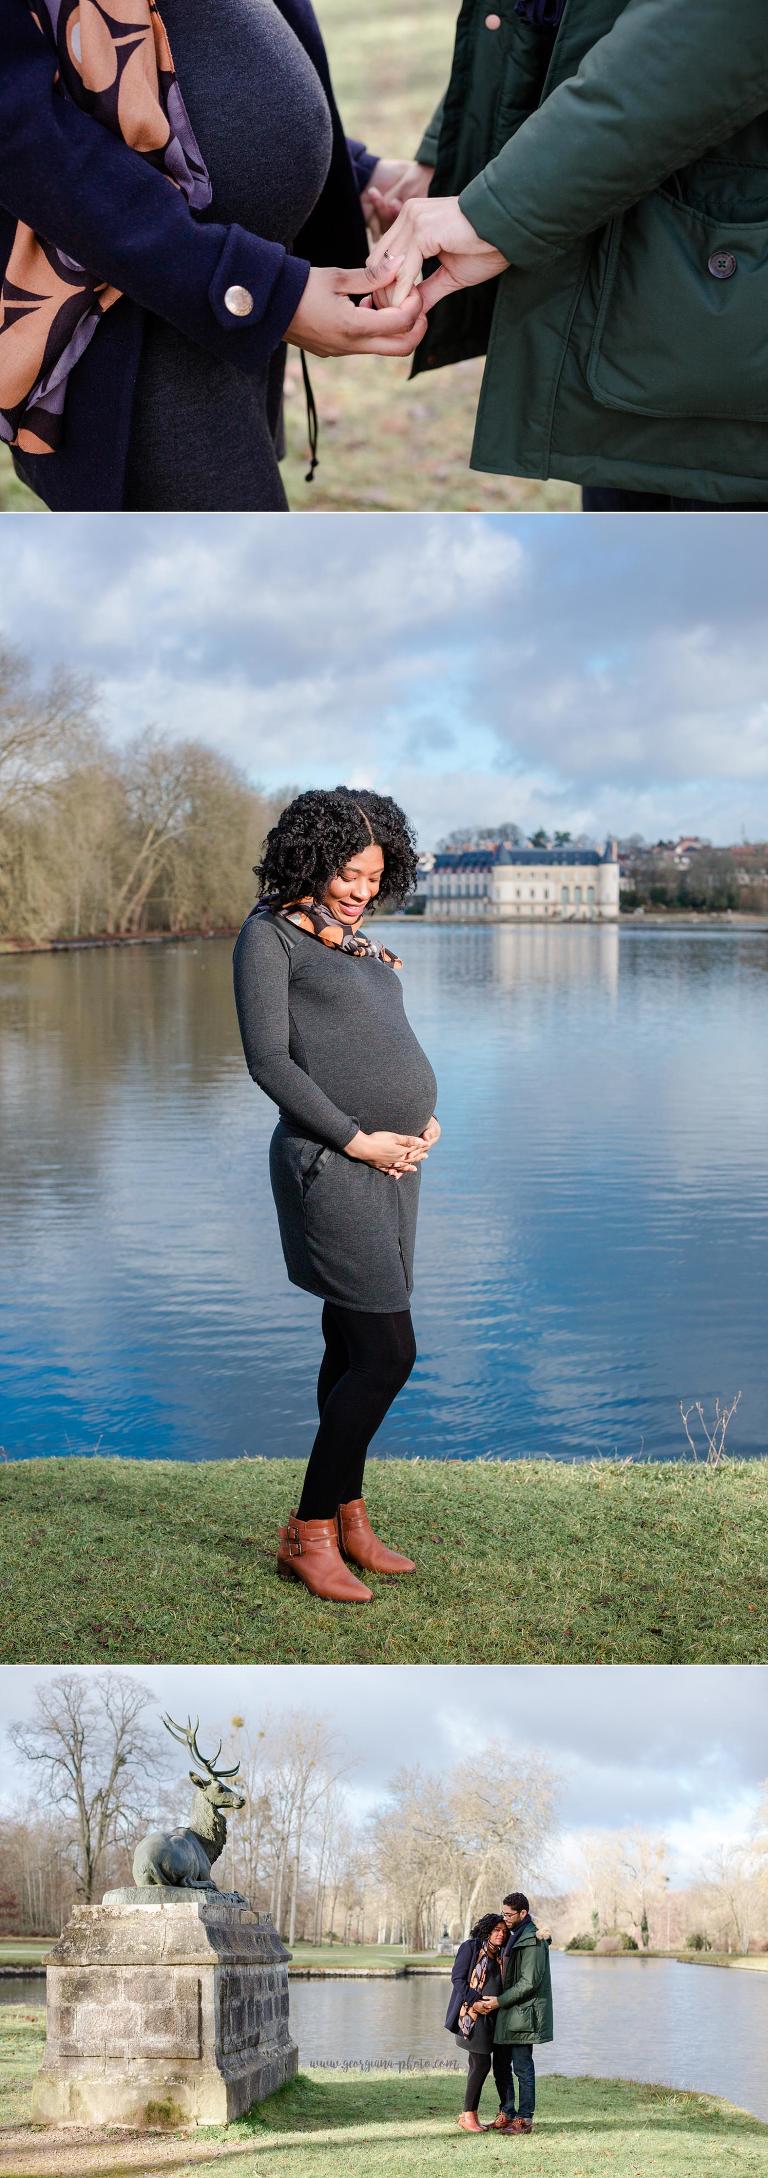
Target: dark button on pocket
[(722, 265)]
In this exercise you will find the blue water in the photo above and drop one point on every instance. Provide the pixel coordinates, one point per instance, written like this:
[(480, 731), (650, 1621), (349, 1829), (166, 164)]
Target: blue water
[(592, 1241)]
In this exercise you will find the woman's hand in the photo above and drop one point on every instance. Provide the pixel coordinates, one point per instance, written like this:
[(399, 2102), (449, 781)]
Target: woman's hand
[(432, 1131), (432, 227), (392, 1153), (487, 2004), (389, 187), (328, 323)]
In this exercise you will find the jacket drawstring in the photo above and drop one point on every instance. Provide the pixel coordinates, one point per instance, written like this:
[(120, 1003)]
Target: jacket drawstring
[(313, 427)]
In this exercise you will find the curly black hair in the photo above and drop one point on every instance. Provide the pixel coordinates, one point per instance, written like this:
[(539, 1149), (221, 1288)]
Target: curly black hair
[(318, 832), (487, 1921)]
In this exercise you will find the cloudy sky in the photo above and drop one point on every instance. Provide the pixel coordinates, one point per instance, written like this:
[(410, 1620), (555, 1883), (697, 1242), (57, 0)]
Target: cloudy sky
[(683, 1751), (602, 675)]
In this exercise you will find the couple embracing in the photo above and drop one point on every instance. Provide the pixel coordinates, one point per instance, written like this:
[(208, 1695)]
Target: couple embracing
[(500, 2006)]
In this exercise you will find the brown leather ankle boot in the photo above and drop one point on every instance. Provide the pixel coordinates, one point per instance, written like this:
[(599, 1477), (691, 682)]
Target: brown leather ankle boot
[(470, 2122), (308, 1551), (359, 1543)]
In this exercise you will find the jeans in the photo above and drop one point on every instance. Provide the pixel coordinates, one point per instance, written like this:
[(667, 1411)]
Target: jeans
[(597, 500), (521, 2066)]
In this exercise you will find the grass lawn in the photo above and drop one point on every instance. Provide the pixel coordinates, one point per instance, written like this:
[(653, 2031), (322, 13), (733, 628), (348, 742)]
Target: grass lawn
[(159, 1562), (392, 2125), (384, 443)]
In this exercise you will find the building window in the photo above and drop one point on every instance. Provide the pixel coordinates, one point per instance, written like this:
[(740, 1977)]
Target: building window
[(591, 895), (564, 896), (577, 896)]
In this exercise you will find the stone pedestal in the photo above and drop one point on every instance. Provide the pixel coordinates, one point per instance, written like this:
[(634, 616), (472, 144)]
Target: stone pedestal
[(164, 2006)]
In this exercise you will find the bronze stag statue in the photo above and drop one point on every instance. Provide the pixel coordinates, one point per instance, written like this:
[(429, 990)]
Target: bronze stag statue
[(185, 1857)]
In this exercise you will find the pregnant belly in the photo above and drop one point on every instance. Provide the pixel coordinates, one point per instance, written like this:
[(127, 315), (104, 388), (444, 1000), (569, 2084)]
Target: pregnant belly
[(403, 1098), (258, 110)]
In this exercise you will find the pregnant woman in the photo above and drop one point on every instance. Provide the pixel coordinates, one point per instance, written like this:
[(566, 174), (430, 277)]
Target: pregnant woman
[(476, 1976), (325, 1035), (172, 185)]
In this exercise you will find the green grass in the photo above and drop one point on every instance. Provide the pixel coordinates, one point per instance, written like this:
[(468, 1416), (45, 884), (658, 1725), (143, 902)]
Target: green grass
[(384, 443), (24, 1950), (402, 2125), (162, 1562), (22, 2039)]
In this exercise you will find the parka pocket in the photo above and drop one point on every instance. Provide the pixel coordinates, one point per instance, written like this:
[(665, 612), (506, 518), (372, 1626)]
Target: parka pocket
[(682, 320)]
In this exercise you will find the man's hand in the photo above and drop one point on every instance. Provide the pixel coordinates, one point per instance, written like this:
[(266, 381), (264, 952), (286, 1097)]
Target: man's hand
[(328, 323), (432, 1132), (391, 184), (431, 227)]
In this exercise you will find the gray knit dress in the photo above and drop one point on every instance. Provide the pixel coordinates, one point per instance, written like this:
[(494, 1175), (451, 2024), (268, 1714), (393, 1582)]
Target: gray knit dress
[(325, 1035), (206, 435)]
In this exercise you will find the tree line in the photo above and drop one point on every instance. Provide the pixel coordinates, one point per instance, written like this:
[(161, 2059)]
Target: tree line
[(97, 839), (434, 1854)]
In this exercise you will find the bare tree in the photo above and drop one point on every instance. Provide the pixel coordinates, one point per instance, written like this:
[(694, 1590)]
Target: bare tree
[(93, 1755), (41, 729)]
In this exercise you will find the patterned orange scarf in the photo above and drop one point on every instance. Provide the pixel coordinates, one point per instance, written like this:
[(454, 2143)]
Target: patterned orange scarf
[(116, 64), (319, 922)]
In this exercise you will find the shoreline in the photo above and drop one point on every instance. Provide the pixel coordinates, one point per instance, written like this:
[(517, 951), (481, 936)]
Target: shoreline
[(756, 1962), (101, 942)]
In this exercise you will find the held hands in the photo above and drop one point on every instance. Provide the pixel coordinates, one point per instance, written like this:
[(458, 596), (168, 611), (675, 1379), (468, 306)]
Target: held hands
[(391, 184), (327, 321), (486, 2004), (431, 227)]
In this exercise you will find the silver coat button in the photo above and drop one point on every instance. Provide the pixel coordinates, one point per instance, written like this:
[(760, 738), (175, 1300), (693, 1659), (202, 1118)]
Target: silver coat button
[(239, 301)]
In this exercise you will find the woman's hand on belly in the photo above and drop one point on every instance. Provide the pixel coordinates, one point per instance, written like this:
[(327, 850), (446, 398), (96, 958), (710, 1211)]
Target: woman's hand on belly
[(395, 1154), (432, 1131), (327, 321)]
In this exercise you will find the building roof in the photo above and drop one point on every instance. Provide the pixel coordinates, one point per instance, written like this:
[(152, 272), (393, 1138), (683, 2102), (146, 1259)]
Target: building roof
[(486, 858)]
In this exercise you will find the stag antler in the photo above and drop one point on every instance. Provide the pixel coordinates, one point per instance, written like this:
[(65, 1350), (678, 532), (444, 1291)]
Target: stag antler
[(186, 1734)]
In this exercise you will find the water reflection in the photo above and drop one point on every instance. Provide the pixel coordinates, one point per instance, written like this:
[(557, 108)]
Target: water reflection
[(592, 1241)]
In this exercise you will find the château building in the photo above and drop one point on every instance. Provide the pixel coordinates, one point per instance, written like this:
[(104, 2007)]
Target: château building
[(505, 883)]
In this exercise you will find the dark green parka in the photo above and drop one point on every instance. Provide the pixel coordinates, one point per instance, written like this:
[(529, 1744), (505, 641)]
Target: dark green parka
[(525, 2004), (622, 168)]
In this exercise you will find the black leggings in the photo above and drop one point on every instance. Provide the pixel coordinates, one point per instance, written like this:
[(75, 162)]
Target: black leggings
[(479, 2068), (367, 1360)]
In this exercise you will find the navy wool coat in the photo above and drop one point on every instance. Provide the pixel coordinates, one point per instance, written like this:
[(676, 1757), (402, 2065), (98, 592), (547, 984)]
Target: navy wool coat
[(460, 1973), (83, 189)]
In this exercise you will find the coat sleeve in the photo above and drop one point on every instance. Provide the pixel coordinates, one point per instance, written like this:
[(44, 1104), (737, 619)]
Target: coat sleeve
[(261, 971), (88, 193), (665, 85), (362, 162), (461, 1970), (427, 151), (528, 1984)]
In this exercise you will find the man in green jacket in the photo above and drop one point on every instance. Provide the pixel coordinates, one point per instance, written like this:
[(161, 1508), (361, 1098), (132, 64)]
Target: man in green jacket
[(599, 211), (524, 2011)]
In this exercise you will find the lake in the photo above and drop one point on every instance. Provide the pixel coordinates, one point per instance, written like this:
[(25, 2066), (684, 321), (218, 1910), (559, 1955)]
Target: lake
[(696, 2027), (593, 1230)]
